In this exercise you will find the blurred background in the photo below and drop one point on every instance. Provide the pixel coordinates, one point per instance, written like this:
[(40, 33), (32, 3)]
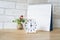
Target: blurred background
[(12, 9)]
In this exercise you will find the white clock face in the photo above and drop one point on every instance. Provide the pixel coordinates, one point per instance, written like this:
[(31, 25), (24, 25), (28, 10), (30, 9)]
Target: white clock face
[(30, 26)]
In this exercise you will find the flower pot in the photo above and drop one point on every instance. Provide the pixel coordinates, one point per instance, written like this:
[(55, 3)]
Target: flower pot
[(20, 26)]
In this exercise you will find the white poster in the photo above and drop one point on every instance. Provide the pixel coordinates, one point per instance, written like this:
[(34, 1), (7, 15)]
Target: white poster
[(41, 14)]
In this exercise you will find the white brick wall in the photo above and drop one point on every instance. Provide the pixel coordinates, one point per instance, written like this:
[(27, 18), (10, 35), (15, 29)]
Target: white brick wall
[(8, 18), (21, 1), (14, 12), (56, 1), (10, 10), (8, 0), (4, 4), (57, 23), (57, 10), (9, 25), (38, 1), (1, 11), (1, 18), (1, 25), (21, 6), (56, 13), (56, 4)]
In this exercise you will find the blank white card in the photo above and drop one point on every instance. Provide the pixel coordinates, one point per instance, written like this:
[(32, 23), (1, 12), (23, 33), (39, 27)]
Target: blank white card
[(41, 14)]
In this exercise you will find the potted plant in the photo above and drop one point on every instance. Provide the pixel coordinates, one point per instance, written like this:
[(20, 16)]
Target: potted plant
[(20, 22)]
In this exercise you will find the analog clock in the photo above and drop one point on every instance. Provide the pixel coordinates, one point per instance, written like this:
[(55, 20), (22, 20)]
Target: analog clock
[(30, 26)]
